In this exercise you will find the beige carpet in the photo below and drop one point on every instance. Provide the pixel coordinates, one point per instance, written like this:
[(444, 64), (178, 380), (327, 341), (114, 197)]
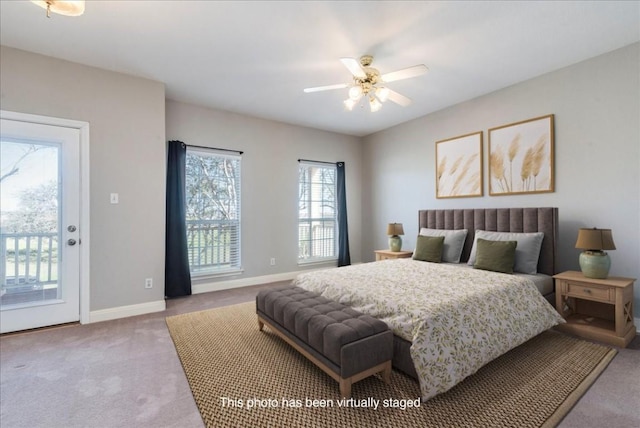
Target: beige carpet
[(241, 377)]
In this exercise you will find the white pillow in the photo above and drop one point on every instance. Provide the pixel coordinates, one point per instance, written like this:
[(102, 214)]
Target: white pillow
[(453, 242), (527, 250)]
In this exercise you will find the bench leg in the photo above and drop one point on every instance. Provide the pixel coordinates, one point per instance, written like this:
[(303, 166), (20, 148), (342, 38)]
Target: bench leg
[(345, 387), (260, 324), (386, 373), (345, 383)]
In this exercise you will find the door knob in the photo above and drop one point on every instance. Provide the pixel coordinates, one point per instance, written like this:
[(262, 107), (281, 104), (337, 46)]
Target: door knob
[(71, 228), (71, 242)]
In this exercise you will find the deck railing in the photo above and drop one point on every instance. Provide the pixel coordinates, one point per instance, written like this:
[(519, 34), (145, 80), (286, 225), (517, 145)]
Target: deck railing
[(28, 261), (213, 244)]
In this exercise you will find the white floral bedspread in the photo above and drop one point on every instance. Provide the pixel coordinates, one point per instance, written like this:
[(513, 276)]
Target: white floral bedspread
[(458, 319)]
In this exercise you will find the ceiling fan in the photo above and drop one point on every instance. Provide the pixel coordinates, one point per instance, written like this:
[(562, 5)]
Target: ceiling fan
[(369, 84)]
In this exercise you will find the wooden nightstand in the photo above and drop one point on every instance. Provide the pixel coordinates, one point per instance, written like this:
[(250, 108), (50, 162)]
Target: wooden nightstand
[(598, 309), (387, 254)]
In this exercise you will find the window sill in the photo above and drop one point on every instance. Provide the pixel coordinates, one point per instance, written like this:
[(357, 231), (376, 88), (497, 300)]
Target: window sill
[(319, 262), (207, 275)]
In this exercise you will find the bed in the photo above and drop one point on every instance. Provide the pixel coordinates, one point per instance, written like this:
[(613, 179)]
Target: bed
[(450, 319)]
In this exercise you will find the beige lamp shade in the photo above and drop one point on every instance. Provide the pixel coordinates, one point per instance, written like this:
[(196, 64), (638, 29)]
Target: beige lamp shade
[(595, 239), (394, 229)]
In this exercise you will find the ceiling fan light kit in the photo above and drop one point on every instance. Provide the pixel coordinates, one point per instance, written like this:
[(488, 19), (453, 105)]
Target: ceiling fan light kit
[(368, 84), (382, 94), (62, 7), (374, 104), (349, 104)]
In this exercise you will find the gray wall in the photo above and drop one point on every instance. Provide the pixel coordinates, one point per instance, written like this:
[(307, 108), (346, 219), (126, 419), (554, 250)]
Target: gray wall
[(127, 156), (270, 178), (596, 105)]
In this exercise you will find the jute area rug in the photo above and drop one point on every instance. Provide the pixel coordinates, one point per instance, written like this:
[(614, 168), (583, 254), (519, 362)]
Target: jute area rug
[(241, 377)]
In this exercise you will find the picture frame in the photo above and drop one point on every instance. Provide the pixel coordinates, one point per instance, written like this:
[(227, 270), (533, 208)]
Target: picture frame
[(459, 166), (521, 157)]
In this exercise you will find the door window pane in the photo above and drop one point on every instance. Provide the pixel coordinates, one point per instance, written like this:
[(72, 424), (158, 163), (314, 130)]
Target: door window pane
[(29, 219)]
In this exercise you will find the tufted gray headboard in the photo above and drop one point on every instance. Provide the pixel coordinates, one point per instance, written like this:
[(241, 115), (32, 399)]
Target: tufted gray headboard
[(500, 220)]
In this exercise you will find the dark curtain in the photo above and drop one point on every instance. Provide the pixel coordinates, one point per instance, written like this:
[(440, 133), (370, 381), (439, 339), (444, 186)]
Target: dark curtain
[(344, 259), (177, 279)]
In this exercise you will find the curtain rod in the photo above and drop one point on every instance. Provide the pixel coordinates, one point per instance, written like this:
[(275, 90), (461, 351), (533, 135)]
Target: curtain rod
[(214, 148), (315, 161)]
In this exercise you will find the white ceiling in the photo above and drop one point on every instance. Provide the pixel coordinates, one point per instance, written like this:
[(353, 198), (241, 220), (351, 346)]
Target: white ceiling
[(255, 58)]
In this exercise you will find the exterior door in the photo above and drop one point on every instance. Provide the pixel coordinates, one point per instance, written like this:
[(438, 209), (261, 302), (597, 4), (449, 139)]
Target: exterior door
[(40, 225)]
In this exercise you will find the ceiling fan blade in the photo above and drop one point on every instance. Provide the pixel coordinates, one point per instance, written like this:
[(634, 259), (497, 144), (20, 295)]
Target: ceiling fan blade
[(398, 98), (405, 73), (326, 88), (353, 65)]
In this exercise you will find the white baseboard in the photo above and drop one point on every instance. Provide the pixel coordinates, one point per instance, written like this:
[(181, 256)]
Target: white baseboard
[(127, 311), (159, 306), (243, 282)]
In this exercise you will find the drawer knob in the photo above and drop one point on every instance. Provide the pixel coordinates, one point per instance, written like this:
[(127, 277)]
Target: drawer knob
[(588, 291)]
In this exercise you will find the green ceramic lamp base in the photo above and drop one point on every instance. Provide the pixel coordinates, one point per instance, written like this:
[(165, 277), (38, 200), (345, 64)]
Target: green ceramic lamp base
[(595, 264), (395, 243)]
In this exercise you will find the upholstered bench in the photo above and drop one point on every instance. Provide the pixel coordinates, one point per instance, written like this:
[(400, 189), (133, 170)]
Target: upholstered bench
[(347, 345)]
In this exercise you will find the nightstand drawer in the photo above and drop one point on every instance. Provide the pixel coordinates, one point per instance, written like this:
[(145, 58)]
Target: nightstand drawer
[(387, 254), (591, 292)]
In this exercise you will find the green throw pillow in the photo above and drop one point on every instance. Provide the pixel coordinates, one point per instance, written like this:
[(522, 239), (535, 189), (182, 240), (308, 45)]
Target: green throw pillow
[(497, 256), (429, 249)]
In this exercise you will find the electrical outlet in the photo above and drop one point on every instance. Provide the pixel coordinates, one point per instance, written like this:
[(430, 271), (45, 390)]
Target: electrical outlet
[(273, 261), (148, 283)]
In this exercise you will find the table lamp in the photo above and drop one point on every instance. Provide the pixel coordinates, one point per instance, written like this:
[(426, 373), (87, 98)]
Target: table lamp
[(594, 262), (395, 241)]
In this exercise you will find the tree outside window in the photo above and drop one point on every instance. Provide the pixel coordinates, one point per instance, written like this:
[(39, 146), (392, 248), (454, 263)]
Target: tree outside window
[(317, 213), (212, 211)]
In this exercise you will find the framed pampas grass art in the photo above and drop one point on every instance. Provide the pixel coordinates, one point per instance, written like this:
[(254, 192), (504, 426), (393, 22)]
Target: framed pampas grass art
[(521, 157), (459, 166)]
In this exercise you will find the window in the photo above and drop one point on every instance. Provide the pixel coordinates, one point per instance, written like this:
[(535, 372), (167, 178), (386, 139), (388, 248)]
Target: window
[(213, 211), (317, 213)]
